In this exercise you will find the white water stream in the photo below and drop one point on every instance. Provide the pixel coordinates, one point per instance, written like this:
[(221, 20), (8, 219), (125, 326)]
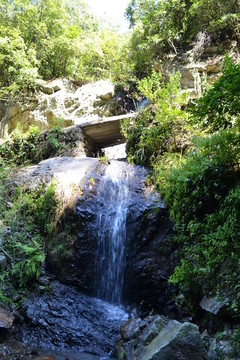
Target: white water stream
[(111, 225)]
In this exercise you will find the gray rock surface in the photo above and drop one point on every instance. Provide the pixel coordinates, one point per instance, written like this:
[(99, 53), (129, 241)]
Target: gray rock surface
[(68, 322), (70, 175), (147, 229), (212, 304), (149, 259), (3, 261), (6, 319), (156, 338), (59, 101)]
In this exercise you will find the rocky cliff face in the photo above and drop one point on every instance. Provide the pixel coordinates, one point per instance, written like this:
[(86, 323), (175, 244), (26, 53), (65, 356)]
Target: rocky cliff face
[(74, 103), (63, 102), (83, 194), (149, 257), (199, 66)]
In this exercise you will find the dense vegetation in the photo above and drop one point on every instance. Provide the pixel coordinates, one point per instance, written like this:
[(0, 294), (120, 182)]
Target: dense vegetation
[(194, 156), (27, 224), (51, 38), (160, 27)]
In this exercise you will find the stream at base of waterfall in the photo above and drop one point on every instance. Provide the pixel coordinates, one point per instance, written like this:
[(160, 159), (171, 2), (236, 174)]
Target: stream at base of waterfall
[(70, 325)]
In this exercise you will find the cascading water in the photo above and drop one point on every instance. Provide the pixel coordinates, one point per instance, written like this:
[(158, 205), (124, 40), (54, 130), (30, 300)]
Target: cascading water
[(115, 212), (111, 232)]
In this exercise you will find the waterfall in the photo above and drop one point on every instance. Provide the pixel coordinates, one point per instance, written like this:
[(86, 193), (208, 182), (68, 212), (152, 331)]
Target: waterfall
[(111, 232)]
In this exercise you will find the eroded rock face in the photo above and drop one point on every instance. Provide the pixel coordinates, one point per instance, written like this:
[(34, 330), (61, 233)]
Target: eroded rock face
[(195, 74), (198, 66), (60, 99), (157, 338)]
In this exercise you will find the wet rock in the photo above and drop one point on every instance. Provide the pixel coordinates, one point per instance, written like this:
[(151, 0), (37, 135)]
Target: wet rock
[(65, 320), (171, 340), (43, 281), (222, 347), (6, 319), (148, 257), (154, 324), (214, 305), (3, 262), (131, 329)]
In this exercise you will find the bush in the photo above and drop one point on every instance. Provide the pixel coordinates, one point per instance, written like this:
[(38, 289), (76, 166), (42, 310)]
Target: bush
[(220, 106), (160, 128), (31, 218), (203, 198), (21, 148), (18, 65)]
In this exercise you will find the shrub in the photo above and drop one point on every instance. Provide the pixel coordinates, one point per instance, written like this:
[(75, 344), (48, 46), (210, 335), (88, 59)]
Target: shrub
[(31, 219), (203, 198), (160, 128), (21, 148), (220, 106)]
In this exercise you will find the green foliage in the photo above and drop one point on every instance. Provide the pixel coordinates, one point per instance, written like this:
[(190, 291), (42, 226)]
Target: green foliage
[(160, 27), (27, 270), (235, 342), (161, 127), (31, 218), (198, 176), (31, 147), (220, 106), (21, 148), (46, 205), (52, 38), (18, 64), (233, 339), (217, 17), (203, 195)]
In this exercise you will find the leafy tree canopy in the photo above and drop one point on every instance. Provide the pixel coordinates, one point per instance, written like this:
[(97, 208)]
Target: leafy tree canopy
[(53, 38), (160, 26)]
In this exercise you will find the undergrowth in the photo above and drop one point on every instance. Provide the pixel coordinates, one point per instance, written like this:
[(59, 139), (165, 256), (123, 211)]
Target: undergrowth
[(32, 146), (194, 159), (27, 228)]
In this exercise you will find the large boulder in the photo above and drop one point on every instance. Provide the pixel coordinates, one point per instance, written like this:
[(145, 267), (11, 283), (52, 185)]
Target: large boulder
[(70, 175), (157, 338)]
